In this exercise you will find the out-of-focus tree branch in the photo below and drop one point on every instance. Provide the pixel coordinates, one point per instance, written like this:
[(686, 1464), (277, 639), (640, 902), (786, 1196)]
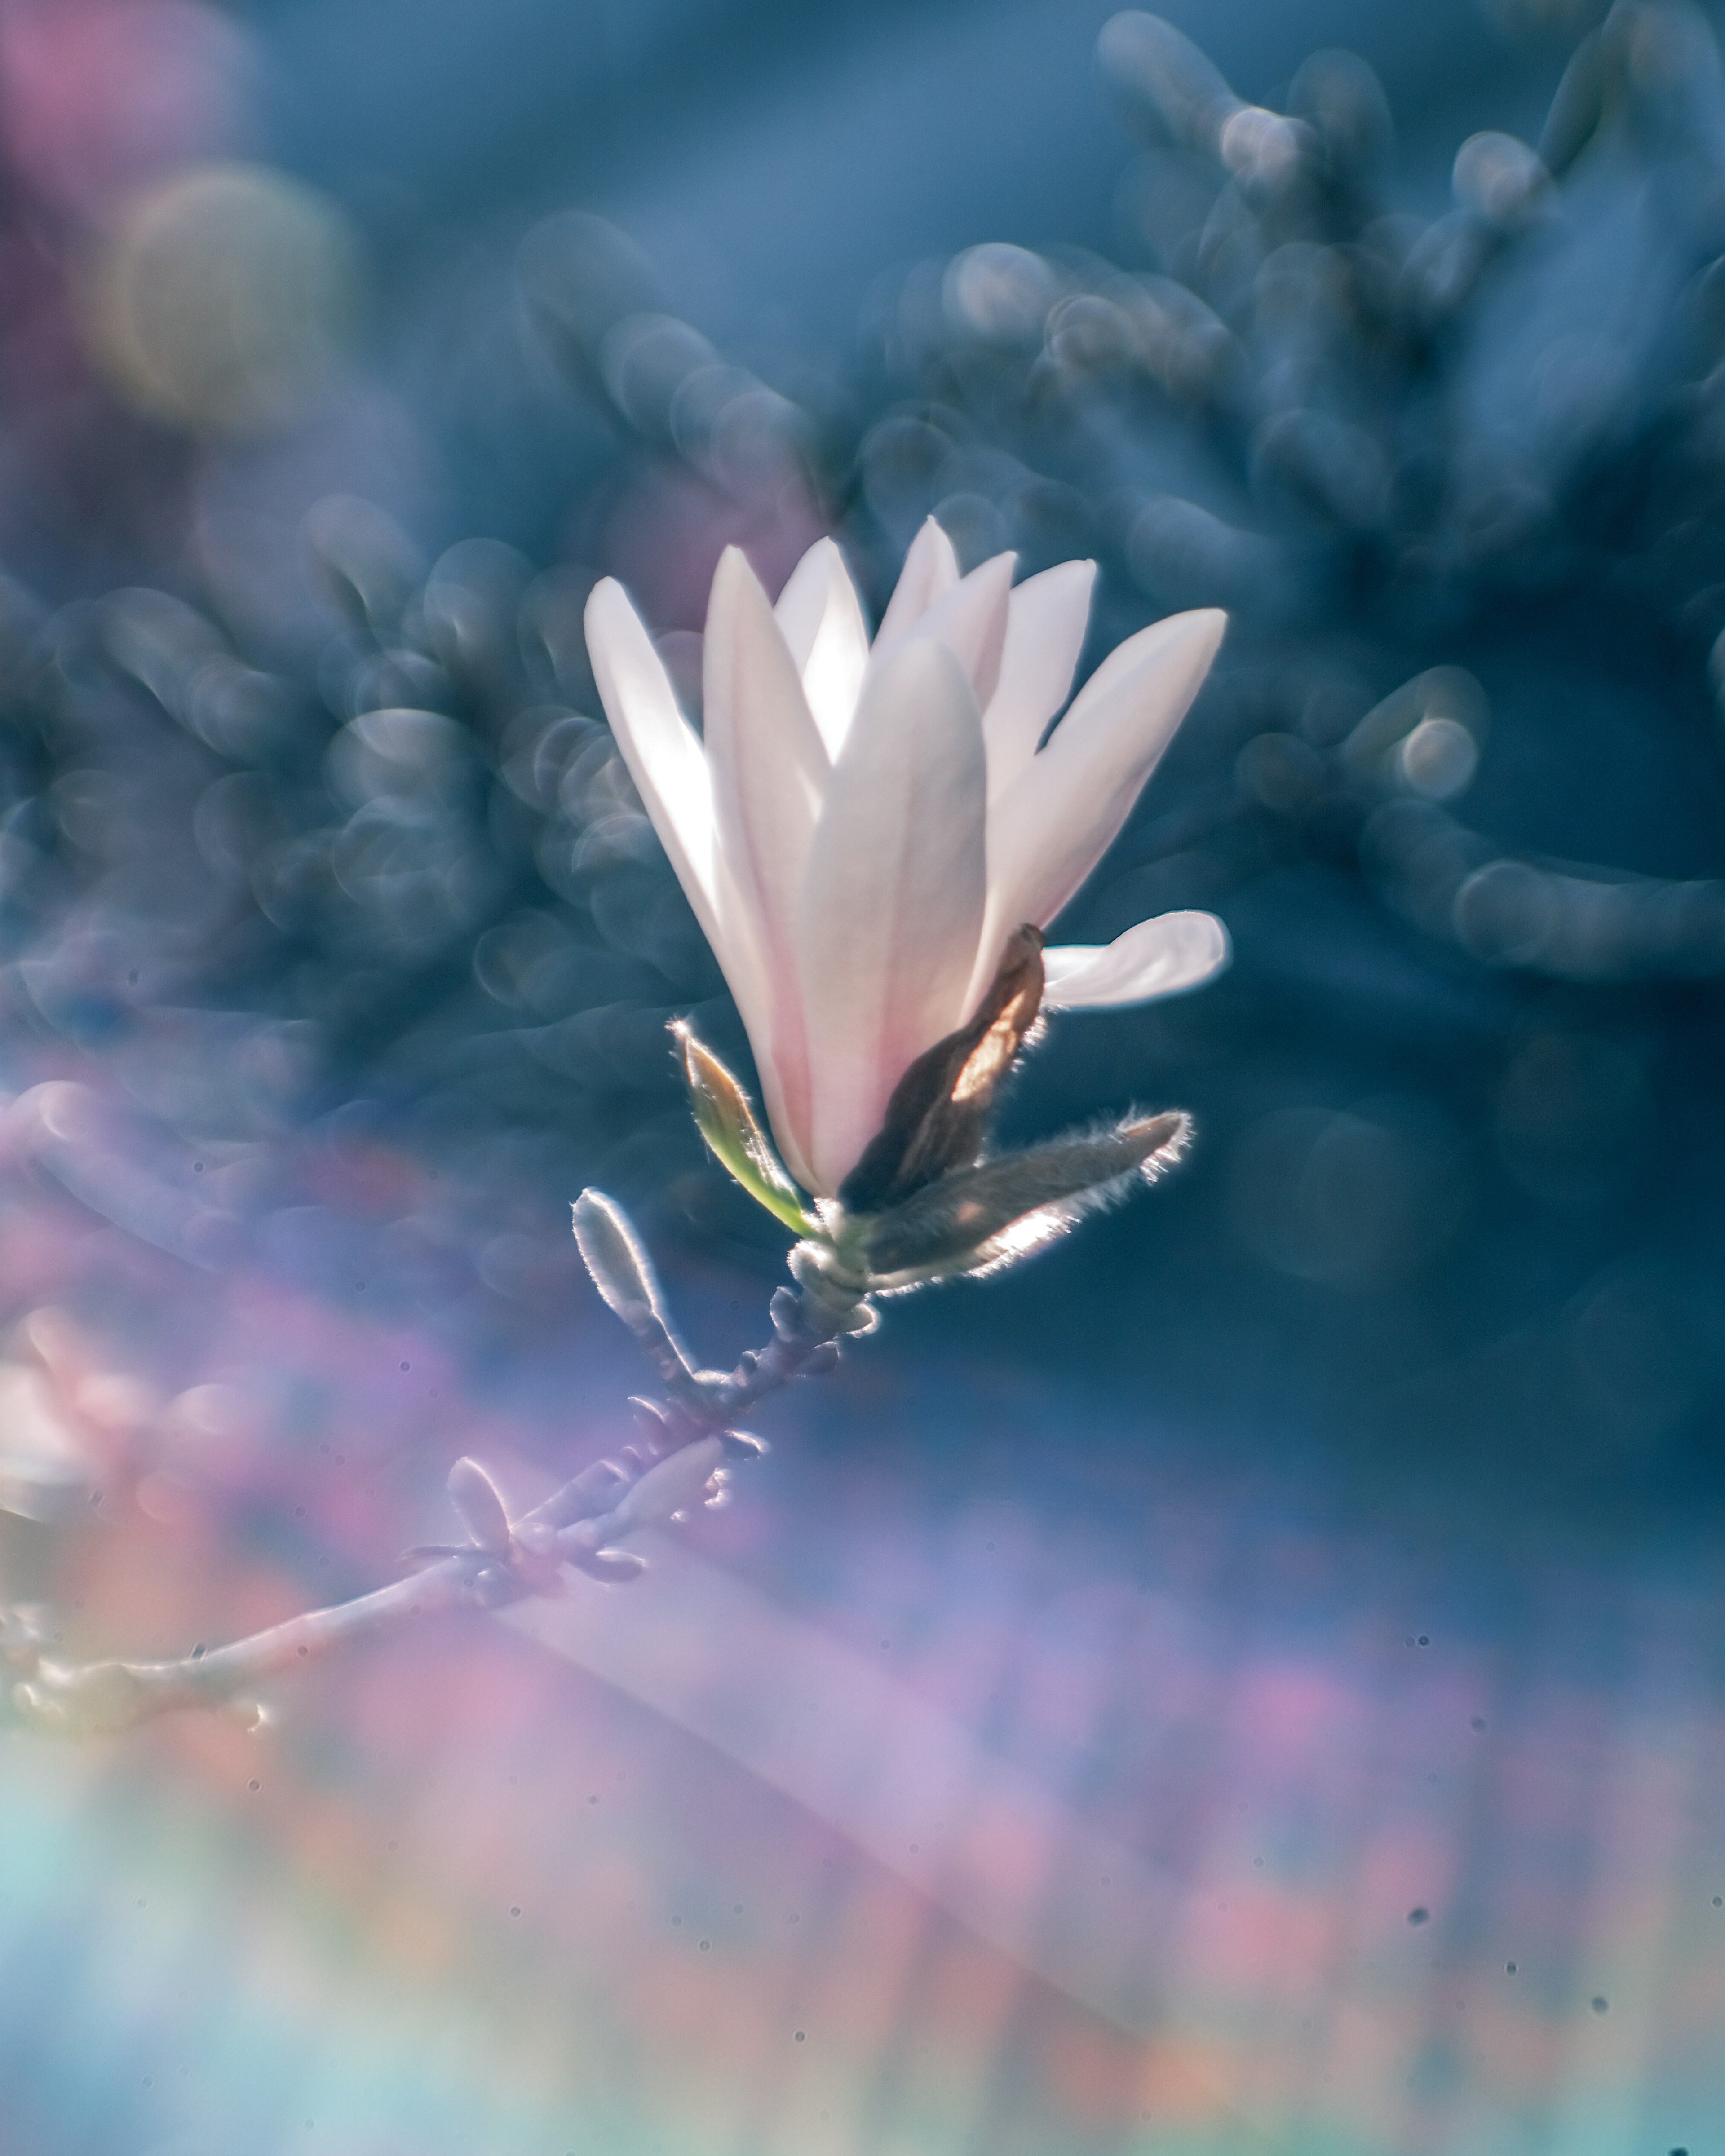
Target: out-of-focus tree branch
[(689, 1443)]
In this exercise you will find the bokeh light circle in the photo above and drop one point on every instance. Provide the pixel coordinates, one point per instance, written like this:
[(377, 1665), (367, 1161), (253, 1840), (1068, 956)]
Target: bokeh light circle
[(221, 299)]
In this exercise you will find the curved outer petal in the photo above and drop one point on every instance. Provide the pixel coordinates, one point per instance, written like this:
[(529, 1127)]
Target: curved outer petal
[(931, 570), (663, 752), (1054, 824), (893, 901), (1046, 619), (769, 771), (1159, 957), (821, 617), (669, 766)]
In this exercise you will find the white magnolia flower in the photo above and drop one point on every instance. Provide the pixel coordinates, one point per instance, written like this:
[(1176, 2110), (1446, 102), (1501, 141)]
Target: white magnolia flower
[(865, 826)]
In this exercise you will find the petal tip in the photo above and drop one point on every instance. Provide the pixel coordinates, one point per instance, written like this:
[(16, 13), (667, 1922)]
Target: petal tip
[(605, 597), (1197, 621)]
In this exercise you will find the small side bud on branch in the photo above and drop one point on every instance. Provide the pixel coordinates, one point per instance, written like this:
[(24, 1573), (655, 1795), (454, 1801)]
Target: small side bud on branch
[(613, 1567), (475, 1498), (623, 1275)]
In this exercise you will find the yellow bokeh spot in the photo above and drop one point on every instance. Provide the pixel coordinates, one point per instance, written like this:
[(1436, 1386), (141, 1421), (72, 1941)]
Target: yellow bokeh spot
[(219, 300)]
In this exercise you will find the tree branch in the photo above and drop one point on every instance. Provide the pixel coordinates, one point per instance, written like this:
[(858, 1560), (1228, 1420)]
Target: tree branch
[(690, 1442)]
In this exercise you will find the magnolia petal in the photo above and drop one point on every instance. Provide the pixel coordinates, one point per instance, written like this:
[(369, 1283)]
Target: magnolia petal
[(1054, 824), (747, 976), (821, 618), (1046, 619), (801, 605), (1159, 957), (970, 620), (669, 766), (893, 901), (769, 774), (663, 752), (931, 570)]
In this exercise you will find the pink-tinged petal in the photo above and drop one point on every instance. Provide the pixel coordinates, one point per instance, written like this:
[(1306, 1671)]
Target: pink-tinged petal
[(802, 603), (1054, 824), (970, 620), (669, 766), (931, 570), (1161, 957), (770, 772), (1046, 619), (661, 749), (821, 618), (781, 1061), (893, 897)]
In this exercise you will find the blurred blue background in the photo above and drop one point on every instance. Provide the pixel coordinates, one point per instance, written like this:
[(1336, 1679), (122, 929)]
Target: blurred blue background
[(1250, 1677)]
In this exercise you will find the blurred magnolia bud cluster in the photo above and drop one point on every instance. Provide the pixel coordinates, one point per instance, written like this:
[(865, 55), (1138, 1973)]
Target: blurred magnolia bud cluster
[(370, 837), (1330, 364), (288, 829), (1386, 441)]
